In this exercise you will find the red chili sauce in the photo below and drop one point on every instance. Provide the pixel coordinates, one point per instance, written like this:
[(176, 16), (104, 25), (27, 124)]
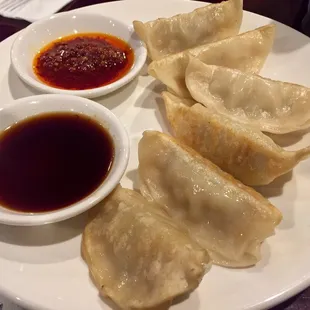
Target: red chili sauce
[(83, 61)]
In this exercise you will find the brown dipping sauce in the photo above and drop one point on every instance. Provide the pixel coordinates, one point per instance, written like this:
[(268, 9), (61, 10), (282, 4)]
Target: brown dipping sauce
[(83, 61), (50, 161)]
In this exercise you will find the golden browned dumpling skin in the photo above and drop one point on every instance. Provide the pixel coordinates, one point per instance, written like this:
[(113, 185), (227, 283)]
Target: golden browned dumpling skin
[(246, 52), (268, 105), (227, 218), (165, 36), (243, 151), (138, 256)]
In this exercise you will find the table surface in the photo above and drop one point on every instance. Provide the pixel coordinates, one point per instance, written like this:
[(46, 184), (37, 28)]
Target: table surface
[(289, 12)]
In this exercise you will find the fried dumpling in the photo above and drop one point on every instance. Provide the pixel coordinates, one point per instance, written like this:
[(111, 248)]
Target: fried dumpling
[(240, 150), (268, 105), (137, 255), (227, 218), (210, 23), (246, 52)]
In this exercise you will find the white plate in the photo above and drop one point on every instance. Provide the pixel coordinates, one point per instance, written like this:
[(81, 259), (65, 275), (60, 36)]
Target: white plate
[(41, 267), (39, 34)]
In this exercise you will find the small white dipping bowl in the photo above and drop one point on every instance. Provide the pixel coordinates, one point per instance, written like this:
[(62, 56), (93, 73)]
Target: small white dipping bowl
[(33, 38), (35, 105)]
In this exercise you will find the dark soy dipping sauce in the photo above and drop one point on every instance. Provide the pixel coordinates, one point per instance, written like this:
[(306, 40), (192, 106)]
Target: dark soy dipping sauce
[(50, 161)]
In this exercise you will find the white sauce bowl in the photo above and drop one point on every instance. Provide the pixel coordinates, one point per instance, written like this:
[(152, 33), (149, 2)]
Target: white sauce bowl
[(36, 36), (36, 105)]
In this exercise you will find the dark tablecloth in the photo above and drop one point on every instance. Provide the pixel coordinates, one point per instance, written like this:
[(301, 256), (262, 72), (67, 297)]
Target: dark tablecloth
[(289, 12)]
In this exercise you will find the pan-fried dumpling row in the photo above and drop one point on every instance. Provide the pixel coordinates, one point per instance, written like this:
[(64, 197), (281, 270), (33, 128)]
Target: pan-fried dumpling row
[(267, 105), (213, 22), (240, 150), (137, 255), (246, 52), (227, 218)]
